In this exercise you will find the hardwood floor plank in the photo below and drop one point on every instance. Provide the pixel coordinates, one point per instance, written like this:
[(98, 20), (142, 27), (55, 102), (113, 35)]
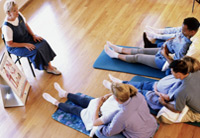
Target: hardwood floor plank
[(77, 31)]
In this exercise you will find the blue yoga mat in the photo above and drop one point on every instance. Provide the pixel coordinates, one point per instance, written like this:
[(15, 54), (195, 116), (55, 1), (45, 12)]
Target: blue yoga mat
[(139, 79), (107, 63), (71, 120)]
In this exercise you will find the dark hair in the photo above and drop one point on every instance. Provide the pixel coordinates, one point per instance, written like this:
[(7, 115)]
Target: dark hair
[(192, 23), (179, 66)]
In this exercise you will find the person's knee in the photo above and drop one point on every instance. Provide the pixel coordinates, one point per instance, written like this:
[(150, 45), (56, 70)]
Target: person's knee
[(130, 58), (164, 120)]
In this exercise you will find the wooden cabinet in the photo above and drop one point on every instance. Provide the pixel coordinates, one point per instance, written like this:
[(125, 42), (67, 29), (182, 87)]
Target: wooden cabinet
[(2, 13)]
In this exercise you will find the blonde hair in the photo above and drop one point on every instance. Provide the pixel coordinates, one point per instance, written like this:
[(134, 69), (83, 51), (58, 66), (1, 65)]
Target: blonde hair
[(192, 63), (123, 91), (8, 5)]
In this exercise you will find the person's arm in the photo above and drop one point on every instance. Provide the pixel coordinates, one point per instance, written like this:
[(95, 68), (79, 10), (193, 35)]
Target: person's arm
[(97, 121), (107, 96), (165, 96), (115, 127), (165, 53), (29, 46), (35, 37), (168, 105)]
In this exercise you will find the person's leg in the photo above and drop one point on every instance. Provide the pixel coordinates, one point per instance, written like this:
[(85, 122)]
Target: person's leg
[(155, 30), (145, 85), (100, 135), (50, 99), (147, 42), (148, 51), (191, 117), (107, 84), (75, 110), (51, 69), (160, 36), (146, 57), (164, 120), (61, 93), (79, 100), (148, 60)]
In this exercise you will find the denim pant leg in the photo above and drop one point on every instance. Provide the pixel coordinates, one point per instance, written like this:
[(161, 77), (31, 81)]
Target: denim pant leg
[(145, 85), (79, 100), (75, 110), (100, 135)]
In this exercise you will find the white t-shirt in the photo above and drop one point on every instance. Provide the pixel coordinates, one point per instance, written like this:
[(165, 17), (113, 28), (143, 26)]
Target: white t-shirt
[(108, 110), (7, 31)]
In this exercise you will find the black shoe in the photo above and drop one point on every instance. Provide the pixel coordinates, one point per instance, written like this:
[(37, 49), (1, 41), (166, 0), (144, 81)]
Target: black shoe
[(94, 136), (147, 43)]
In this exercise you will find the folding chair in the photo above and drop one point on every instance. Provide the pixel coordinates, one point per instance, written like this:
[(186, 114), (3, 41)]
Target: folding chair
[(19, 57), (194, 3)]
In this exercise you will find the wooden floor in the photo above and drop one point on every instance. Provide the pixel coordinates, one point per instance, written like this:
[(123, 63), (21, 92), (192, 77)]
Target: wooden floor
[(77, 31)]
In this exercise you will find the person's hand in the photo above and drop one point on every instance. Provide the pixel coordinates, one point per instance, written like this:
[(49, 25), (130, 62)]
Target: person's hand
[(37, 38), (170, 39), (165, 96), (29, 46), (162, 100), (164, 50)]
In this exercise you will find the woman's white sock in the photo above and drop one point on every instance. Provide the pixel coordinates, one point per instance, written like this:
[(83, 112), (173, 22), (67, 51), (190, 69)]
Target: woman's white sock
[(61, 93), (110, 52), (114, 47), (107, 84), (49, 98), (114, 79)]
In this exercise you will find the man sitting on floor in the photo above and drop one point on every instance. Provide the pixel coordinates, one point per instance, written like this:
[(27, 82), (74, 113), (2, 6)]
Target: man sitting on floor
[(156, 57), (187, 94)]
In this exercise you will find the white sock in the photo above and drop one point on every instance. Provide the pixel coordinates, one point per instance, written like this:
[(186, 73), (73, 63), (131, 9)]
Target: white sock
[(157, 31), (61, 93), (114, 47), (107, 84), (110, 52), (152, 34), (115, 79), (49, 98)]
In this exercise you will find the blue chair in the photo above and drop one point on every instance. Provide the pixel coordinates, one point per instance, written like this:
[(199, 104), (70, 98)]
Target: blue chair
[(19, 57)]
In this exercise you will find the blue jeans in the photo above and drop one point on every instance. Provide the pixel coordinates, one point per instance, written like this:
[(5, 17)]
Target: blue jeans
[(82, 103), (144, 85), (100, 135)]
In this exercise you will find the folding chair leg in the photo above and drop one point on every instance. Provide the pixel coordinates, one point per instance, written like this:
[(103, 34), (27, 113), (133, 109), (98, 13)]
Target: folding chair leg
[(193, 5), (31, 66), (18, 59)]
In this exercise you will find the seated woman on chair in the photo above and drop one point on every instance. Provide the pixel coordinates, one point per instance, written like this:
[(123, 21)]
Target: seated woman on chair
[(124, 109), (21, 41)]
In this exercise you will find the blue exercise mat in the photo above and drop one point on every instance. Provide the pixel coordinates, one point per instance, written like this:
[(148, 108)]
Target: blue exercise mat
[(139, 79), (71, 120), (107, 63)]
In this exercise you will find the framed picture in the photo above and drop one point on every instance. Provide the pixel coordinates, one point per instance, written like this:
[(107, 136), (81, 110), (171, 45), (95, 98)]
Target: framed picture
[(13, 83)]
